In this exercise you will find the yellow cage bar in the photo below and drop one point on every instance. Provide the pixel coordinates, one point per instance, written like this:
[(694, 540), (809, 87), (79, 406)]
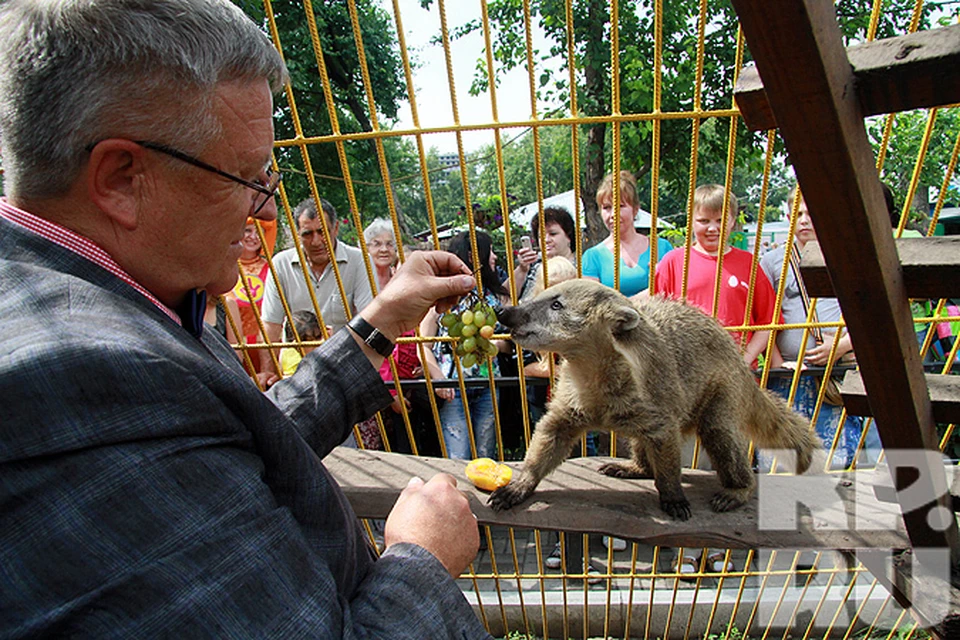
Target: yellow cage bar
[(344, 146)]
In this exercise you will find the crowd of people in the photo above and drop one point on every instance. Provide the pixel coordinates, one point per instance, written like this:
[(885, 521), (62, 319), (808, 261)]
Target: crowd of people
[(739, 294), (158, 462)]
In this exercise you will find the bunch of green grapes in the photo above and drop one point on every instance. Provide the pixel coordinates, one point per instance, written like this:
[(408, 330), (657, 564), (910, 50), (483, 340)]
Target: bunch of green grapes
[(474, 328)]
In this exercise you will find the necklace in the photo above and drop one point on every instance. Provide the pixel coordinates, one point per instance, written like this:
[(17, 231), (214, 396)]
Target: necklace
[(252, 265)]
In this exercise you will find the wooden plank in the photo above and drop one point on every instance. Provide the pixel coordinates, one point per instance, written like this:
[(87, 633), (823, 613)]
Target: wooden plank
[(810, 84), (577, 497), (931, 267), (944, 396), (894, 74), (752, 100), (934, 600)]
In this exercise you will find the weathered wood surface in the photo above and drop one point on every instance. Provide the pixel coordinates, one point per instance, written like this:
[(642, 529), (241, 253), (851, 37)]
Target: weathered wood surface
[(931, 267), (944, 396), (811, 88), (577, 497), (894, 74), (921, 582)]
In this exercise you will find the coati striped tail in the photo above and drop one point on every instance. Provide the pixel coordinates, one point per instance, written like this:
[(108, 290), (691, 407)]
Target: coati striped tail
[(773, 425)]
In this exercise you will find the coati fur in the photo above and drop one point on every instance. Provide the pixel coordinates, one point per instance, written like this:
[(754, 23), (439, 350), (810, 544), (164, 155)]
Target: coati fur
[(655, 371)]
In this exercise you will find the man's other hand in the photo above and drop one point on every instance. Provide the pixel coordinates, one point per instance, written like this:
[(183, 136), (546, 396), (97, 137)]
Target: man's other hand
[(267, 379), (436, 516)]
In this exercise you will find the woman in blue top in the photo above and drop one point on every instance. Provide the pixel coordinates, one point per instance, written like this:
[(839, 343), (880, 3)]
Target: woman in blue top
[(597, 261)]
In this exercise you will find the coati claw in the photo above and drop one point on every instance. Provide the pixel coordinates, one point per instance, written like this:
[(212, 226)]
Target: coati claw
[(678, 509), (506, 497), (624, 470), (721, 502)]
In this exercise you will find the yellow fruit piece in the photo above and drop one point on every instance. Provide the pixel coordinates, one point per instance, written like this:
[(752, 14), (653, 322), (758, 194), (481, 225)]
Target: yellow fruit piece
[(487, 474)]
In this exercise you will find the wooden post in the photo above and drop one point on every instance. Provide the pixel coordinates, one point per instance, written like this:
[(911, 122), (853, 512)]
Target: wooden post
[(810, 85)]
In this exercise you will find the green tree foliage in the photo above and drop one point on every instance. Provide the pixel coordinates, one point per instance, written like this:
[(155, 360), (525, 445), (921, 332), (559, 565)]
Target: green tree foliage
[(592, 36), (556, 165), (894, 17), (446, 189), (591, 30), (591, 33), (906, 138), (350, 105), (907, 132)]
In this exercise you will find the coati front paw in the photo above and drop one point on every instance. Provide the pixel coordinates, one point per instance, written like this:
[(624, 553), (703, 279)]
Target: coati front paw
[(677, 509), (625, 470), (508, 496), (729, 499)]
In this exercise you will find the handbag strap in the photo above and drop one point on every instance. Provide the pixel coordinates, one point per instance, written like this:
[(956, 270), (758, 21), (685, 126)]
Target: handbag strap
[(804, 296)]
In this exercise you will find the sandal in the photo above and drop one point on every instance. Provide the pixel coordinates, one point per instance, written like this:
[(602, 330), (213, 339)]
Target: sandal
[(715, 562), (687, 567), (554, 560)]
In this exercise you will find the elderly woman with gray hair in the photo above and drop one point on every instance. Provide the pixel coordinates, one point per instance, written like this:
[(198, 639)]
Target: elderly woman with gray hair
[(382, 246)]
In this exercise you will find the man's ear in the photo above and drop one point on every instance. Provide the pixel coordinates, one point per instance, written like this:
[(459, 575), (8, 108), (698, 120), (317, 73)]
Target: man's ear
[(115, 179), (625, 317)]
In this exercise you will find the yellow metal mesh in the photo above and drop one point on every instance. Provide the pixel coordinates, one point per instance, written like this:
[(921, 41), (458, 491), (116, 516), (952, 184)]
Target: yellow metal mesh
[(639, 592)]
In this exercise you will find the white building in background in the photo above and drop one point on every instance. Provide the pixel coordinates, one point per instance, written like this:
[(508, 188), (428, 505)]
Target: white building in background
[(775, 233), (449, 161)]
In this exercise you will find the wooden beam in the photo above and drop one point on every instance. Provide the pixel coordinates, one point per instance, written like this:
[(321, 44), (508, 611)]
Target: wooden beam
[(894, 74), (944, 396), (752, 100), (578, 498), (931, 267), (810, 84), (932, 599)]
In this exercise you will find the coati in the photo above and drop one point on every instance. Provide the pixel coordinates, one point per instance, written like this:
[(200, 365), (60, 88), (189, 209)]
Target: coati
[(654, 371)]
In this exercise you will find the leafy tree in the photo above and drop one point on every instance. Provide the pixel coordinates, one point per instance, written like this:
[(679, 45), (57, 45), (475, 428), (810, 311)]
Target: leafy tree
[(906, 137), (342, 63), (592, 35), (591, 32), (556, 165), (449, 203), (894, 17)]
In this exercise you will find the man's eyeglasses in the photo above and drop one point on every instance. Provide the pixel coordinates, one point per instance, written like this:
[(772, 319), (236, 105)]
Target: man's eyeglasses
[(266, 189)]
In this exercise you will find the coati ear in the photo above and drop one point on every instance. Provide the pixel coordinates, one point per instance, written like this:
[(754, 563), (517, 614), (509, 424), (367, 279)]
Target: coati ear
[(625, 318)]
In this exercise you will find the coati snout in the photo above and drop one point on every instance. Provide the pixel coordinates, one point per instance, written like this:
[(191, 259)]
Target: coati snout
[(511, 316)]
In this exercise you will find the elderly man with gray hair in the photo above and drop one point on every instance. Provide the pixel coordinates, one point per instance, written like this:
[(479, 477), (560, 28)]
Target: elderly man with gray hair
[(149, 489)]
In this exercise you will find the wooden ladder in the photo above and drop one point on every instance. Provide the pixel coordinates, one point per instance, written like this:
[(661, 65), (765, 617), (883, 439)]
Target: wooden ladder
[(818, 93)]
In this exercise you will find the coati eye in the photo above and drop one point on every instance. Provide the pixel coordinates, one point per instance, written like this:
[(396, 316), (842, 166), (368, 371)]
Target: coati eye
[(556, 305)]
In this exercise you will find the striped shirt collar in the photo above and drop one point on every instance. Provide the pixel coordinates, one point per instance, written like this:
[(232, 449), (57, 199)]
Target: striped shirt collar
[(80, 246)]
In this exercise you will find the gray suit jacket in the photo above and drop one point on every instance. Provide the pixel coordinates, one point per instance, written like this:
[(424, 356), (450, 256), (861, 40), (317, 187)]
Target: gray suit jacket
[(148, 489)]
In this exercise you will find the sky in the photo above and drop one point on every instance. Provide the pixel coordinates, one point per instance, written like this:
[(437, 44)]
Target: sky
[(431, 84)]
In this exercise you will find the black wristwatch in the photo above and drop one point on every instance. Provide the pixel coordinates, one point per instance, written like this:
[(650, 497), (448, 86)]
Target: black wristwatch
[(371, 335)]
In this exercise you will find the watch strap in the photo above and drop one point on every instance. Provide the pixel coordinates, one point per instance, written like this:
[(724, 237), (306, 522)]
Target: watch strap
[(371, 336)]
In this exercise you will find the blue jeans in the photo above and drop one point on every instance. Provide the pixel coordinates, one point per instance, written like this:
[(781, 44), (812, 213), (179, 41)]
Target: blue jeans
[(827, 421), (454, 422)]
